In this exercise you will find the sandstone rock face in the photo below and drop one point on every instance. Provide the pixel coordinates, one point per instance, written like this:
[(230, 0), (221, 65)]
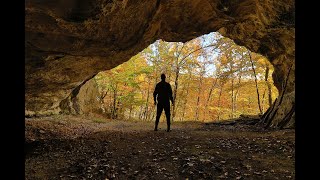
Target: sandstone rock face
[(84, 99), (68, 42)]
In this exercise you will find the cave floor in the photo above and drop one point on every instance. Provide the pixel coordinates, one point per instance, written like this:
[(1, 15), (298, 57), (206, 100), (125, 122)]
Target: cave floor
[(79, 147)]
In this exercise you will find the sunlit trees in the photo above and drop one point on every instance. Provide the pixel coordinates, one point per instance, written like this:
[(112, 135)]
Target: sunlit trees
[(212, 79)]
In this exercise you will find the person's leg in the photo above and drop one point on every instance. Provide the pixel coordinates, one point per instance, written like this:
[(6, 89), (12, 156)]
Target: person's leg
[(167, 112), (159, 111)]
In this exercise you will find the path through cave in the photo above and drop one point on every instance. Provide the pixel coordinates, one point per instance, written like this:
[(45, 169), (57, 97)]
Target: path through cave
[(78, 147)]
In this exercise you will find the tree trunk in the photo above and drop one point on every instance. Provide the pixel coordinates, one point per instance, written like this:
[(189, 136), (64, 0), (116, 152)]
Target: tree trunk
[(186, 99), (147, 102), (263, 99), (141, 111), (130, 111), (209, 96), (256, 81), (237, 93), (175, 92), (268, 85), (198, 99), (114, 109), (282, 112), (219, 100), (119, 107), (232, 97)]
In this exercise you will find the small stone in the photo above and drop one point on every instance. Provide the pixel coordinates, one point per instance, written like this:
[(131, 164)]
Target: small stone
[(190, 164), (257, 173), (222, 177)]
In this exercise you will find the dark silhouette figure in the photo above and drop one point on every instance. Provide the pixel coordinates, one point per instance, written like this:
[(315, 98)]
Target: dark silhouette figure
[(163, 94)]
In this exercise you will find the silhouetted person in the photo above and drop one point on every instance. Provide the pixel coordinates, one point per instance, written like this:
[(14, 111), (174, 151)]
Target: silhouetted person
[(163, 94)]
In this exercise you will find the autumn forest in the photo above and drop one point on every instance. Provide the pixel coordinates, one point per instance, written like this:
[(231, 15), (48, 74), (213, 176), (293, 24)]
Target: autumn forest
[(211, 77)]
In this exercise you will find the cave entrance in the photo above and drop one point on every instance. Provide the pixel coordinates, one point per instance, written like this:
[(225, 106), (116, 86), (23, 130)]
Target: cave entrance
[(212, 79)]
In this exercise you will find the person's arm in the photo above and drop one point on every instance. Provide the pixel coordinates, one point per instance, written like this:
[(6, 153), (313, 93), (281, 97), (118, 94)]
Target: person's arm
[(155, 92), (170, 94)]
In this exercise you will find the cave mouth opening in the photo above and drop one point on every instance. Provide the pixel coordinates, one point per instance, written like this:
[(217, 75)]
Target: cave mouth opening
[(212, 79)]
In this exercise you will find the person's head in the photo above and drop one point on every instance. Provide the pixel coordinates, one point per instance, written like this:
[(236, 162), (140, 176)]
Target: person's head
[(163, 77)]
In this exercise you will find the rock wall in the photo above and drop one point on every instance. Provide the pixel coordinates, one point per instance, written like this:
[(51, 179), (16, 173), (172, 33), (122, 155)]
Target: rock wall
[(84, 99), (68, 42)]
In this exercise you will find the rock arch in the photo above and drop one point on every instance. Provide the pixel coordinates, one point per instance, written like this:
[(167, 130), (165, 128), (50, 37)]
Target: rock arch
[(68, 42)]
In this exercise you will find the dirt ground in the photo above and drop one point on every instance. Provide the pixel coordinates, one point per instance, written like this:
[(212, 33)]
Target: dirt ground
[(79, 147)]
